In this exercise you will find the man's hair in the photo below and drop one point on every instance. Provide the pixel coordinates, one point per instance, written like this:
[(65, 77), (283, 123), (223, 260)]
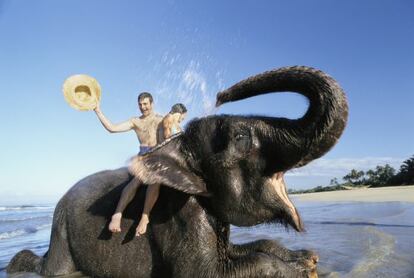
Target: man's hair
[(145, 95), (178, 108)]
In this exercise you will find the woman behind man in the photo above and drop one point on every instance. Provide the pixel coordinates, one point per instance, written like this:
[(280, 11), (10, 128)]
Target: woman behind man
[(170, 126)]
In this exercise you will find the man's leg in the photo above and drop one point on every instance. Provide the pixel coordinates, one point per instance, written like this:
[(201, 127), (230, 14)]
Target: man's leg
[(151, 197), (127, 195)]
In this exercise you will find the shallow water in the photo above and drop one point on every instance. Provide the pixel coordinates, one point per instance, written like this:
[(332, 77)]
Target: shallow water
[(352, 239)]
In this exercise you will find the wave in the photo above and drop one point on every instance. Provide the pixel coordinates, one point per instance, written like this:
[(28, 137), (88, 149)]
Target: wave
[(12, 234), (25, 231), (359, 224), (30, 218), (25, 207), (379, 250)]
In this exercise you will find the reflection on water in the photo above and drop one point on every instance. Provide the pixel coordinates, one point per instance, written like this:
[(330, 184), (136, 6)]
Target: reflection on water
[(352, 239)]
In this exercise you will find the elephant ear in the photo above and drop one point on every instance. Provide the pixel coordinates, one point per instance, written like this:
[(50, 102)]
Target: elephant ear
[(161, 168)]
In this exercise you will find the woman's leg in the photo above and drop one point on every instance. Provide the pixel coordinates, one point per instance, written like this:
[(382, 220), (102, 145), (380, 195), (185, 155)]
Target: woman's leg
[(127, 195), (151, 197)]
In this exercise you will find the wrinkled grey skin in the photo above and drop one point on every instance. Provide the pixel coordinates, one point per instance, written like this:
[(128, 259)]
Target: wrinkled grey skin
[(221, 170)]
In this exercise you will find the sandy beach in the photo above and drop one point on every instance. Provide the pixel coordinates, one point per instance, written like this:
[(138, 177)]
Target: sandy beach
[(381, 194)]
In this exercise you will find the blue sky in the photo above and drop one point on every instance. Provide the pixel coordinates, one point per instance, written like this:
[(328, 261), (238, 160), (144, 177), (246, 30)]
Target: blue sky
[(187, 51)]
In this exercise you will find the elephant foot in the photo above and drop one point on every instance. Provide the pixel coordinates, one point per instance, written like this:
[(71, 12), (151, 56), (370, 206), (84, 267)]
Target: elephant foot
[(306, 261), (26, 261)]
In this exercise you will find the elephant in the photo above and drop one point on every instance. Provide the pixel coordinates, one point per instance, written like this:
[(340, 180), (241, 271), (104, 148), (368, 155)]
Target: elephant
[(221, 170)]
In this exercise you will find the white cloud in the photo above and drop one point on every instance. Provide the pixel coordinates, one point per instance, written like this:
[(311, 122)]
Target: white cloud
[(339, 167)]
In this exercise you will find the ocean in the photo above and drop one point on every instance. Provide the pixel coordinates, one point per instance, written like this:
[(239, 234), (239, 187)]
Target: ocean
[(352, 239)]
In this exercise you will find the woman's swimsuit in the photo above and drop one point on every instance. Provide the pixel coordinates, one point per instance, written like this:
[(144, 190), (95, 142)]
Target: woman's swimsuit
[(174, 130), (143, 150)]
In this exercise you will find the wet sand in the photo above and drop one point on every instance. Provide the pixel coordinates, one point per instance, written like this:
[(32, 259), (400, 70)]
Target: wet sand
[(381, 194)]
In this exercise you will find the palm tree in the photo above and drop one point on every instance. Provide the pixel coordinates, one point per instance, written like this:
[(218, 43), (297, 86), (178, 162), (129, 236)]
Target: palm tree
[(354, 176), (381, 176), (406, 173), (407, 166)]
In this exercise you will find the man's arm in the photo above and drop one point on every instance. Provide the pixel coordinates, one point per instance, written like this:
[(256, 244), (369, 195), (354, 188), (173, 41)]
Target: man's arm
[(166, 125), (121, 127)]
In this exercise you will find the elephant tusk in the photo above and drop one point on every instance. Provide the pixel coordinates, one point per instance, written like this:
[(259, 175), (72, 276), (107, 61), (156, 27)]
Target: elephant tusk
[(279, 185)]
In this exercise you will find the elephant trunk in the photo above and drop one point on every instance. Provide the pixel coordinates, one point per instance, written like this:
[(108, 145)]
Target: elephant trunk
[(294, 143)]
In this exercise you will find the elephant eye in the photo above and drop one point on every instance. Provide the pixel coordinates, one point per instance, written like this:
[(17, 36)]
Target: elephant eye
[(243, 142), (240, 136)]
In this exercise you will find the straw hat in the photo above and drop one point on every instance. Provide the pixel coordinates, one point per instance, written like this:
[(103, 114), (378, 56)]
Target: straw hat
[(82, 92)]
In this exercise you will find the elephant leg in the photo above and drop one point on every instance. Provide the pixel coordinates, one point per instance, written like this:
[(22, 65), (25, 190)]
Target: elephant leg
[(263, 265), (221, 263), (260, 265), (302, 259), (249, 266), (58, 260), (25, 261)]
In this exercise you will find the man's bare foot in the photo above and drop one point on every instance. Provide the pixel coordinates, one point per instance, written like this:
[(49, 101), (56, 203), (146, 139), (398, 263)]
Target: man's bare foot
[(115, 224), (142, 226)]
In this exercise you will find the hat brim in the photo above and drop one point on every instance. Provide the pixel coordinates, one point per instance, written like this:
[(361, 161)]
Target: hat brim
[(82, 92)]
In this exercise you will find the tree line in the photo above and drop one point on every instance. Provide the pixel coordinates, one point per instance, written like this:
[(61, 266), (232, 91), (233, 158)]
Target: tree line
[(380, 176)]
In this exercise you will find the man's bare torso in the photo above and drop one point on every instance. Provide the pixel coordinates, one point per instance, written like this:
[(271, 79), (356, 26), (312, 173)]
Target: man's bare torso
[(148, 129)]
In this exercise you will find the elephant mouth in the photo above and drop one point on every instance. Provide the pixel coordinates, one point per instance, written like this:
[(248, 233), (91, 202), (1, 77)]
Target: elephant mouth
[(285, 205)]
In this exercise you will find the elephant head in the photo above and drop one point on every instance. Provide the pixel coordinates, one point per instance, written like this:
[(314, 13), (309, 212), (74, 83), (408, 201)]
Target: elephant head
[(236, 163)]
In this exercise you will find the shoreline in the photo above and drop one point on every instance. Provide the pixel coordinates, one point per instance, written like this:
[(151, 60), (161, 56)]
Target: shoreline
[(379, 194)]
